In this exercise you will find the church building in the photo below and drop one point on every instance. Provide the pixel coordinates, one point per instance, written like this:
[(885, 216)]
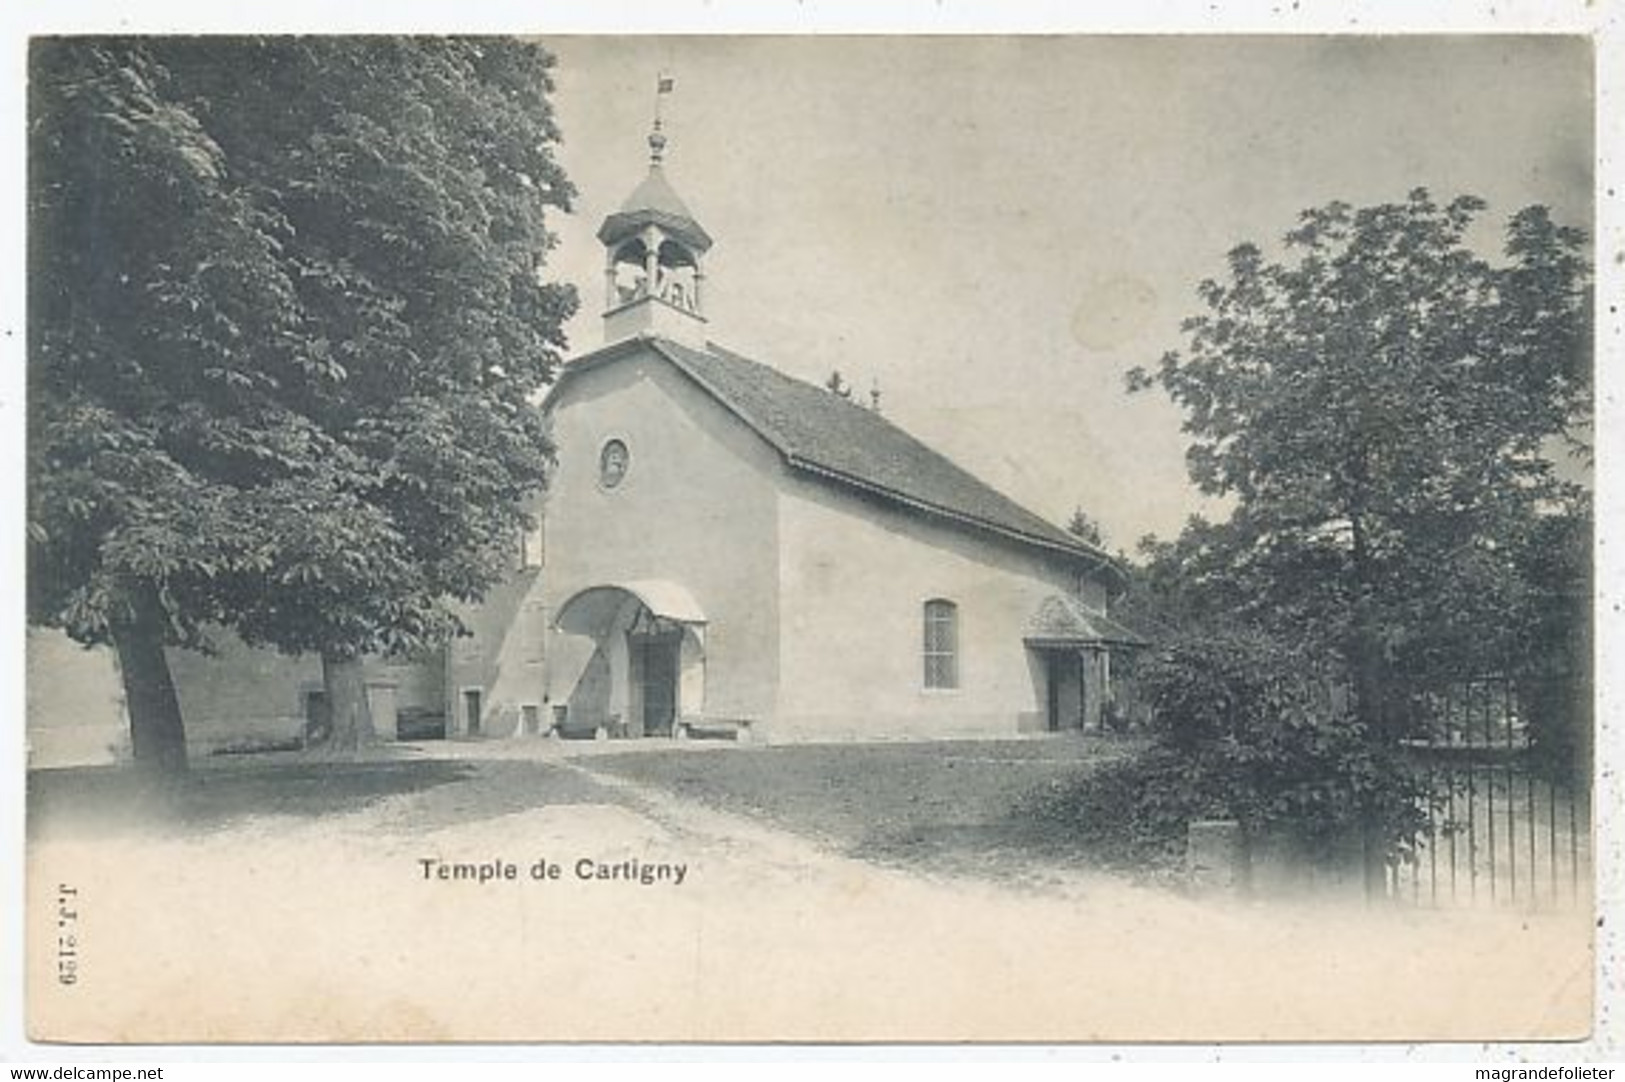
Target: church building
[(728, 548)]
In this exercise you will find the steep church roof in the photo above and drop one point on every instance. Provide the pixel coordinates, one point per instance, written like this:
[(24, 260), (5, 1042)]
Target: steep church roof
[(845, 443)]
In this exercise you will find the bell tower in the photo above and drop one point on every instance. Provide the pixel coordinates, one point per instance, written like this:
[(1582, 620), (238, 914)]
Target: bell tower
[(653, 258)]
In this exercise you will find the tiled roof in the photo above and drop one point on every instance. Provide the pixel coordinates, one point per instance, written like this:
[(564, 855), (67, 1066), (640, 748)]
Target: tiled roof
[(654, 201), (1063, 620), (845, 443)]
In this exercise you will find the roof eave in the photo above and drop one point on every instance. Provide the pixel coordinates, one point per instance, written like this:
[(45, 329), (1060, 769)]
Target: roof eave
[(1068, 642), (588, 361), (626, 223)]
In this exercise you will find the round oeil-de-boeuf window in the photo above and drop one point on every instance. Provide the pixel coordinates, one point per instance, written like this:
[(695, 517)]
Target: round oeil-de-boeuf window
[(613, 462)]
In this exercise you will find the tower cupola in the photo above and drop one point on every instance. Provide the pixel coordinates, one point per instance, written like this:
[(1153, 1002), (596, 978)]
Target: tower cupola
[(654, 250)]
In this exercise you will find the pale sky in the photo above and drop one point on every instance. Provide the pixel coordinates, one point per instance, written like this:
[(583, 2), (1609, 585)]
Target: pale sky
[(996, 228)]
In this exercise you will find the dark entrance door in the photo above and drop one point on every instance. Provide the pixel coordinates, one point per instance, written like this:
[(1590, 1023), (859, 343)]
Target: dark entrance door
[(318, 718), (655, 661), (1052, 684), (1063, 690)]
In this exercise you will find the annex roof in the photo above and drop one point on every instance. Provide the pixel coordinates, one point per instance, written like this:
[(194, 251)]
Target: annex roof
[(1065, 621), (847, 444)]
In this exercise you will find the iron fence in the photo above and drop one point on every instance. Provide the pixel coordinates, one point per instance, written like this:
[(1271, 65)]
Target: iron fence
[(1507, 810)]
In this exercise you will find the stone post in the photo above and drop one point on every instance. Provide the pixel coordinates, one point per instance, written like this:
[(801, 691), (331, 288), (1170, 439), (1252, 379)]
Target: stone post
[(1216, 856)]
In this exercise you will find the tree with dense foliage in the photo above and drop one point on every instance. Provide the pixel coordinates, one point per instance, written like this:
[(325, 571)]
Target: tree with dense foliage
[(1384, 408), (287, 323)]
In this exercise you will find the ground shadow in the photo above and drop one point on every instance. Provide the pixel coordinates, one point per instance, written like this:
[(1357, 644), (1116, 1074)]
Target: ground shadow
[(118, 800), (496, 788), (216, 795)]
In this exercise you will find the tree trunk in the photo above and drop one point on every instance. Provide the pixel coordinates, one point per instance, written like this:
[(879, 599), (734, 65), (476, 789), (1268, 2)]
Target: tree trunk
[(345, 683), (157, 734)]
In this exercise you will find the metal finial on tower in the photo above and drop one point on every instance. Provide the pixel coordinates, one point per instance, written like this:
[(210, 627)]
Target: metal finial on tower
[(657, 139)]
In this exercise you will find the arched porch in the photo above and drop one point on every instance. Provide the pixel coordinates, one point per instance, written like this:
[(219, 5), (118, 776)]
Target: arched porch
[(640, 666)]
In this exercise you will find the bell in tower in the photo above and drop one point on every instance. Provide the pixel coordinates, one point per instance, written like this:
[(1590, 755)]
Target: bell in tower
[(653, 271)]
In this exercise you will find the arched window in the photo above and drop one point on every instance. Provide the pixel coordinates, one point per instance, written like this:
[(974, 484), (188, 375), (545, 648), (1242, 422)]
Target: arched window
[(941, 642)]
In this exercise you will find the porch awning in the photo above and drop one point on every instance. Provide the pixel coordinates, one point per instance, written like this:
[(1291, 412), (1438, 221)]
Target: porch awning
[(1063, 621), (590, 611)]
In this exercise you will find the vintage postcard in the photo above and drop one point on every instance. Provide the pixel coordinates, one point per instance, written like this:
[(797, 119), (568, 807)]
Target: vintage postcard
[(904, 538)]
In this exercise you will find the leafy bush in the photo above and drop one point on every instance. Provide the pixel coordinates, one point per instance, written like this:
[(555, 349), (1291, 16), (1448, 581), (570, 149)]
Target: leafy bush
[(1246, 728)]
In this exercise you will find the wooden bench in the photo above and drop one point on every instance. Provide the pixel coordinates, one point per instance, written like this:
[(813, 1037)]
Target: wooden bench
[(741, 728)]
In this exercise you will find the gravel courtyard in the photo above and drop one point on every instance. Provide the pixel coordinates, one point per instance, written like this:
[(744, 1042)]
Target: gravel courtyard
[(289, 900)]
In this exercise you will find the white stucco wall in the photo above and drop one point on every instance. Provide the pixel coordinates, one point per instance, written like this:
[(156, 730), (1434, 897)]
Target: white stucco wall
[(697, 507), (75, 703), (502, 658), (235, 697), (241, 696), (855, 576), (244, 697)]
